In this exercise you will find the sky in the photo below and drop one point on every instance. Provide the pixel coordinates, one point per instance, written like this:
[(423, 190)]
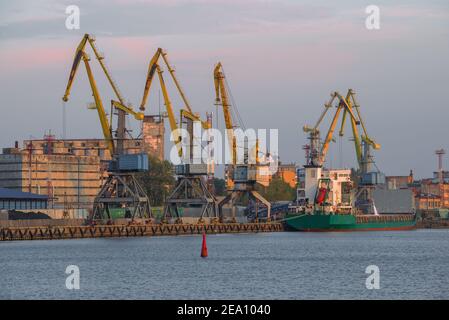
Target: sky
[(282, 60)]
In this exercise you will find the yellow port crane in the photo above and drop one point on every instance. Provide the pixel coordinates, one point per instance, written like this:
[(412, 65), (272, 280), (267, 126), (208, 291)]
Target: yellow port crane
[(185, 112), (221, 97), (154, 68), (241, 178), (80, 54), (98, 102), (346, 104), (366, 178), (190, 189), (121, 189)]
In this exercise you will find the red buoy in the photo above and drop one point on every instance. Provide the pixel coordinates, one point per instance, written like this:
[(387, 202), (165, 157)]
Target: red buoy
[(204, 247)]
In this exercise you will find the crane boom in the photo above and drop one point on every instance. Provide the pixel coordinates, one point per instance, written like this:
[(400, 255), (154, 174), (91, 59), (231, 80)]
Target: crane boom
[(347, 105), (171, 115), (78, 56), (194, 117), (329, 135), (342, 105), (105, 126), (76, 61), (221, 97), (175, 80), (152, 67), (365, 137), (127, 109), (354, 122)]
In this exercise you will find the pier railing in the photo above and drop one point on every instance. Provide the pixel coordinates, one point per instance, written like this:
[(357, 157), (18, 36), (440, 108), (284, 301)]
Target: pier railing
[(385, 218), (104, 231)]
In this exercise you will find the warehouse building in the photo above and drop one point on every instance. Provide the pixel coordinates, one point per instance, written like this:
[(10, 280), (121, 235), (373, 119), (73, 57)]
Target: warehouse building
[(70, 172), (66, 180), (17, 200)]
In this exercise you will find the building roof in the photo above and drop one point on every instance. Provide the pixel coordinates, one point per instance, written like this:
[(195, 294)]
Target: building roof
[(428, 195), (6, 193)]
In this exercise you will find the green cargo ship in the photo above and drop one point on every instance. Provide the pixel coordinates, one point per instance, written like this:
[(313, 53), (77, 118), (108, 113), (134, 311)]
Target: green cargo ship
[(349, 222), (326, 203)]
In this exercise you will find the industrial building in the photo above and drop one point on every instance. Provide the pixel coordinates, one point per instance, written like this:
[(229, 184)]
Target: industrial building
[(438, 189), (17, 200), (287, 172), (151, 142), (70, 172), (399, 182), (153, 132), (428, 201), (69, 181)]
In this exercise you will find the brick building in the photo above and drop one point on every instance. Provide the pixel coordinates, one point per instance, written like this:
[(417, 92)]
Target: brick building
[(71, 171)]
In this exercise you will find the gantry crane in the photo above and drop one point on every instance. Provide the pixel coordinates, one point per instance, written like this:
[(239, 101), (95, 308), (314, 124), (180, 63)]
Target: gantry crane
[(348, 104), (190, 189), (121, 188), (347, 107), (242, 177)]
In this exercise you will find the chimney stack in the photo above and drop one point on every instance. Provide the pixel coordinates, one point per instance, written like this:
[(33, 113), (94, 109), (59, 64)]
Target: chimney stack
[(440, 153)]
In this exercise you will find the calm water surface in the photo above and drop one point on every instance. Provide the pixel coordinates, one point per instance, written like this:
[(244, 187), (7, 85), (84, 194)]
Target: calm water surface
[(413, 265)]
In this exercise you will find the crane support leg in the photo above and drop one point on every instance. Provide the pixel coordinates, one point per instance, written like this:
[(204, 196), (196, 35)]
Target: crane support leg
[(191, 191), (234, 195), (231, 198), (259, 197), (121, 191)]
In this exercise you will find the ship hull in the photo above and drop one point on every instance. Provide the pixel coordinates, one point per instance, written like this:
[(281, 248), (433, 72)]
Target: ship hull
[(345, 223)]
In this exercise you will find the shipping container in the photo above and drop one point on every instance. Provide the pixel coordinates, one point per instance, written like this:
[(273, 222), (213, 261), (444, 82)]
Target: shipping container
[(197, 168), (191, 169), (133, 162), (245, 173), (373, 178), (180, 169)]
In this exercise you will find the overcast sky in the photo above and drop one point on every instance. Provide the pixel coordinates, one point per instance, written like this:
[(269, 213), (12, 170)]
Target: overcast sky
[(282, 60)]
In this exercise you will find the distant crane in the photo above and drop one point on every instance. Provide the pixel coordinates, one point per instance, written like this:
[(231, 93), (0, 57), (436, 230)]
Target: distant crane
[(440, 153), (367, 178), (346, 104)]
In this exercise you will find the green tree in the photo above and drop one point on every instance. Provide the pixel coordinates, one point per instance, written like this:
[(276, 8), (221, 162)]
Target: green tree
[(278, 190), (219, 187), (158, 181)]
